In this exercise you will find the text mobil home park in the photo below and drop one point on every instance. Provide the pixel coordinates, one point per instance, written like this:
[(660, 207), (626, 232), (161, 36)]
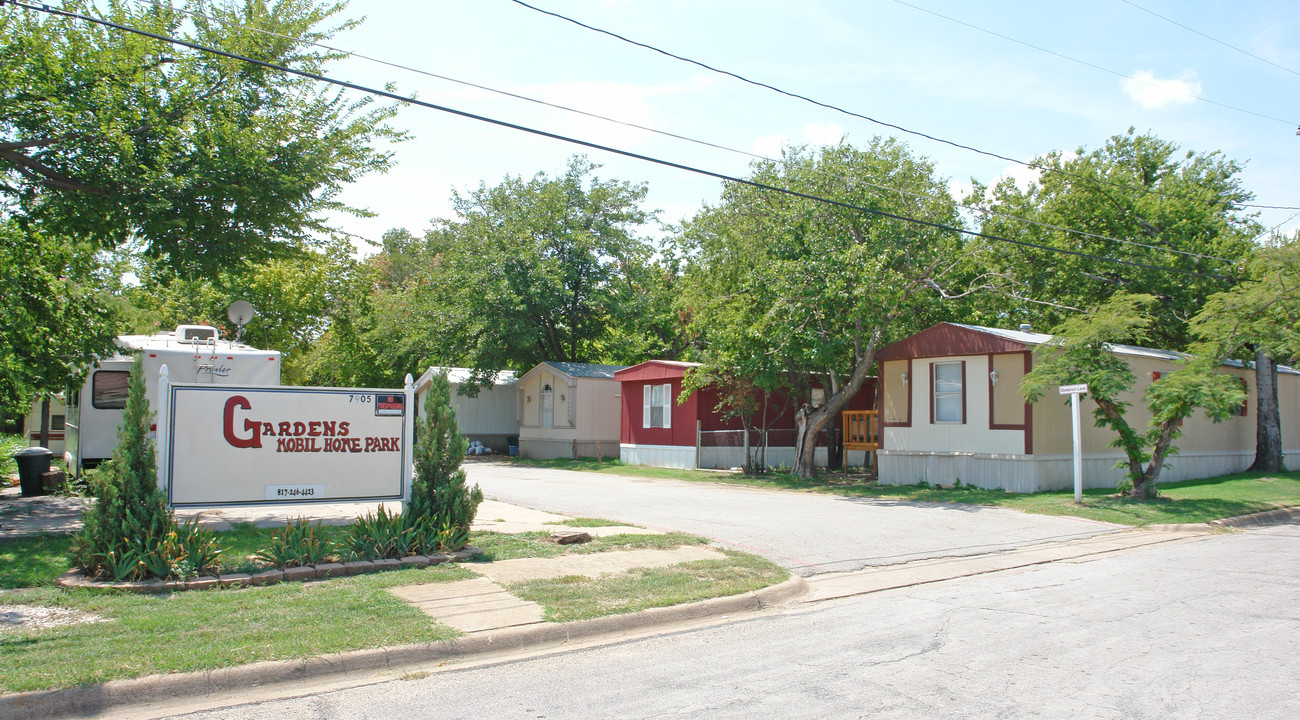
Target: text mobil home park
[(242, 445)]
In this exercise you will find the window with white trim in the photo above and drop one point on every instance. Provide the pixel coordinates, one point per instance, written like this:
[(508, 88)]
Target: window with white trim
[(949, 404), (657, 406), (548, 407)]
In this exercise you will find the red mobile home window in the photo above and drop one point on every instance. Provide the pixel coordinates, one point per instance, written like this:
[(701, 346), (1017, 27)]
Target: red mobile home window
[(656, 406)]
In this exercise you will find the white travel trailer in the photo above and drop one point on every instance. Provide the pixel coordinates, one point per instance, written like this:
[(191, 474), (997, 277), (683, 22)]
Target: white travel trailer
[(192, 354)]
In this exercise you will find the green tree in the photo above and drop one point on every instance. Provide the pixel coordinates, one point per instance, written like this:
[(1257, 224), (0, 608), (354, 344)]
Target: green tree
[(441, 494), (1259, 320), (53, 321), (530, 270), (1080, 352), (202, 160), (130, 512), (295, 296), (114, 145), (781, 288), (1134, 199)]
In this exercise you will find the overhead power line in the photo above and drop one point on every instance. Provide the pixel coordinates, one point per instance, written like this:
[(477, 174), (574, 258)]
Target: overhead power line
[(1171, 21), (604, 148), (876, 121), (884, 188)]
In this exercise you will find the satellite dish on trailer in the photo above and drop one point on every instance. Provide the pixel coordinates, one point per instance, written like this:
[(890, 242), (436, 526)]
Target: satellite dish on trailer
[(240, 313)]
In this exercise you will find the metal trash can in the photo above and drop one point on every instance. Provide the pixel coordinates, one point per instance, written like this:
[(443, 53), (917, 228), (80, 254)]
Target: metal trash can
[(32, 463)]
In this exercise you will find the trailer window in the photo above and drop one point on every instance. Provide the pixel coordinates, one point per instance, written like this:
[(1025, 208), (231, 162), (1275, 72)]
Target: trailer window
[(108, 389)]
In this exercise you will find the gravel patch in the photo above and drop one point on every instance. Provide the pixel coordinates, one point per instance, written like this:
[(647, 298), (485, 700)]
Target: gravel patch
[(36, 617)]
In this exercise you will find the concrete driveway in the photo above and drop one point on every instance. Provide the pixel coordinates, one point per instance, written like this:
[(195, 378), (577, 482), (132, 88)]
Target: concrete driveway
[(809, 533)]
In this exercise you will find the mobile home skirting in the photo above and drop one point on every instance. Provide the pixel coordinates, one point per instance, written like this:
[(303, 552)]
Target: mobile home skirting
[(540, 449), (669, 456), (1037, 473)]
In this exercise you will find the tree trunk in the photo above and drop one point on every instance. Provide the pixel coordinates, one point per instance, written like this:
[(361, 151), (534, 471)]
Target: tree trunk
[(834, 446), (1145, 486), (805, 441), (1129, 441), (808, 422), (45, 421), (1268, 420), (746, 424)]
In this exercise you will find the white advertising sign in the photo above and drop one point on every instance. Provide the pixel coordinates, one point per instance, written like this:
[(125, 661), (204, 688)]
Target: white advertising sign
[(232, 445)]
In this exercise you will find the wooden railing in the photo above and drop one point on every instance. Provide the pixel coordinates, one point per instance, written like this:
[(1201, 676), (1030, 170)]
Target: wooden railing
[(861, 430)]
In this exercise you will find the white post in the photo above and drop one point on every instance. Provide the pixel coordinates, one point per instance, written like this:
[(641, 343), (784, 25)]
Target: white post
[(162, 436), (1078, 448), (1074, 391), (699, 432), (408, 447)]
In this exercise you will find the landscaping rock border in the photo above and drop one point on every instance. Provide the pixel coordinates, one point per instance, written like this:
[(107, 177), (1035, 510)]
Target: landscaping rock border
[(77, 579)]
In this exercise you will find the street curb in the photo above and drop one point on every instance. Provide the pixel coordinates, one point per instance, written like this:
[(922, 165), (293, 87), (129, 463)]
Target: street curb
[(91, 699), (1260, 519)]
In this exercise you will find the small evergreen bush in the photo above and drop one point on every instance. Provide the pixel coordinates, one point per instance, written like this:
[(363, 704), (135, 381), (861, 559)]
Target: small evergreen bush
[(441, 496), (129, 534)]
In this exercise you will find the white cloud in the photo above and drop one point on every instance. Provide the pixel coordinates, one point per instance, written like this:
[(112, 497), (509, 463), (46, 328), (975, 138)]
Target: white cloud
[(1153, 93)]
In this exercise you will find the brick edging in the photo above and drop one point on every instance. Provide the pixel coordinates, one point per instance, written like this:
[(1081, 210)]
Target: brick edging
[(78, 579)]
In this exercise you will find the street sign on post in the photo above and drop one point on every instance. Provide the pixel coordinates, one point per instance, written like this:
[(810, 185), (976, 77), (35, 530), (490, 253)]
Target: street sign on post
[(1074, 391)]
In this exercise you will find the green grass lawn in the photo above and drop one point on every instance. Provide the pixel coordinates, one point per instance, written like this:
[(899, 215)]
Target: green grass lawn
[(1193, 501), (188, 631), (576, 597)]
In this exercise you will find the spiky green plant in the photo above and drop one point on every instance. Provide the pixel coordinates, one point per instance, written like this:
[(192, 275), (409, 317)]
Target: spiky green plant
[(130, 506), (441, 495)]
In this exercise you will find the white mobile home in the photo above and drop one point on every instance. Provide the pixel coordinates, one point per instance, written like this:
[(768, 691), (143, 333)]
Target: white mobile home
[(489, 416), (192, 354), (32, 423), (951, 409)]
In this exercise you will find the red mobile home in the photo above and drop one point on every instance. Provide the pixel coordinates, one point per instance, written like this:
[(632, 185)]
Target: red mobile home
[(656, 430)]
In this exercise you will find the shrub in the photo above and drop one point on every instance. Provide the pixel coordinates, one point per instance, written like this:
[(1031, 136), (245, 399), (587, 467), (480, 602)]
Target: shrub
[(129, 534), (441, 496), (299, 543)]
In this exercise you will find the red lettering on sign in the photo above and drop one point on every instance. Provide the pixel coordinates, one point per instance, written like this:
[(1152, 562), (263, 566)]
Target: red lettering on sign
[(228, 424), (284, 428), (343, 429), (313, 428)]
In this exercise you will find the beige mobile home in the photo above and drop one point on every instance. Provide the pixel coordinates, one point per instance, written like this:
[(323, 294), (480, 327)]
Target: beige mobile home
[(489, 416), (951, 410), (568, 410)]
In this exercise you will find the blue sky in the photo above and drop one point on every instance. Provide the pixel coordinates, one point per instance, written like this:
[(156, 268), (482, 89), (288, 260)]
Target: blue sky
[(879, 58)]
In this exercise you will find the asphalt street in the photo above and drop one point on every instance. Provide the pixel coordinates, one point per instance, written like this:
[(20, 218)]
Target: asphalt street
[(809, 533), (1200, 629)]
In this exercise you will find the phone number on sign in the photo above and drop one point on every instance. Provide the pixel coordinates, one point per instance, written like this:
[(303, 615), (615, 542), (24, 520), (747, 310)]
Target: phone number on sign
[(294, 492)]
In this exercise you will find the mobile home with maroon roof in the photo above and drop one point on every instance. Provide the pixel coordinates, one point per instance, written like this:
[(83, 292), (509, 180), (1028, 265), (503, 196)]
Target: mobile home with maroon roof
[(951, 409)]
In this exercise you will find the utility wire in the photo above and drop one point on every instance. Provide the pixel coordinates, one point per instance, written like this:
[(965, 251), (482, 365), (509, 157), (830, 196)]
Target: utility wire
[(882, 123), (884, 188), (596, 146), (1207, 37)]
